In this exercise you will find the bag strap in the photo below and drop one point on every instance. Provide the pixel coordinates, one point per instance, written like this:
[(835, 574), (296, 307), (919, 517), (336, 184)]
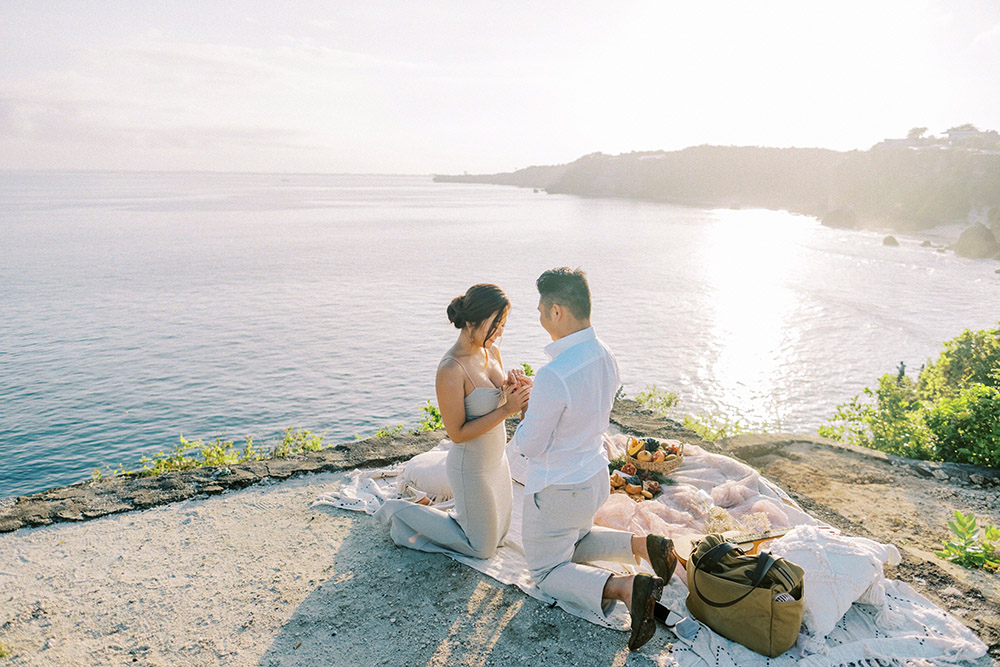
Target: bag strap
[(764, 562), (715, 554)]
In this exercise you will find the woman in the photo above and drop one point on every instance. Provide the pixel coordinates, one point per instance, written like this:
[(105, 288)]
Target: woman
[(475, 399)]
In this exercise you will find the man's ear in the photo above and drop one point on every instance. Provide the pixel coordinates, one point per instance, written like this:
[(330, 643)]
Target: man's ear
[(556, 312)]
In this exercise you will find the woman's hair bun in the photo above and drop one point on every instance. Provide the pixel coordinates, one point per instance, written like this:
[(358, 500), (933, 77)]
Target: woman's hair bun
[(482, 303), (456, 312)]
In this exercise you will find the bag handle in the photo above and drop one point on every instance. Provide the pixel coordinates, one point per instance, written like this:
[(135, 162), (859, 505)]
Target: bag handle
[(764, 562)]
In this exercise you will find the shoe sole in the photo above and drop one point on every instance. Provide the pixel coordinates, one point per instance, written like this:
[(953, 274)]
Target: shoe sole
[(647, 627), (668, 567)]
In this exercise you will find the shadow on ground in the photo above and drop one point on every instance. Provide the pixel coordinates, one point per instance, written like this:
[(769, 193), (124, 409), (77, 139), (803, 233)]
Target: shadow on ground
[(386, 605)]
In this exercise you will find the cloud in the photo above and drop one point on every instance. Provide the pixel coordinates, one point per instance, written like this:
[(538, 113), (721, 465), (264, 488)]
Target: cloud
[(488, 89), (169, 96), (174, 96)]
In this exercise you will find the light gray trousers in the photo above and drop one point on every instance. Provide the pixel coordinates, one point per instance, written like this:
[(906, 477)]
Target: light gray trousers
[(559, 535)]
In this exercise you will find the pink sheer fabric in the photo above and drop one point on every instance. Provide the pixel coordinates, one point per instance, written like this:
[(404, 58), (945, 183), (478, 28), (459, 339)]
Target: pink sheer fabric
[(712, 492)]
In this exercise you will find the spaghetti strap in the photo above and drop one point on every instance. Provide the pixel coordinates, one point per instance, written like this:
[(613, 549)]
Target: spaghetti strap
[(448, 356)]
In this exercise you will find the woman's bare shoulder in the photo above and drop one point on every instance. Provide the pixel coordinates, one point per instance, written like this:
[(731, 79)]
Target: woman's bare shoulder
[(449, 367)]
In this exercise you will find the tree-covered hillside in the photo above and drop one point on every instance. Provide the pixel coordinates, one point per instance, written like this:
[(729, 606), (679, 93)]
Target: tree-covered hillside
[(904, 186)]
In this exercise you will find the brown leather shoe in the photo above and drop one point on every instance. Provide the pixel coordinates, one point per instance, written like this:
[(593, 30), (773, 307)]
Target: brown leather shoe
[(662, 556), (646, 590)]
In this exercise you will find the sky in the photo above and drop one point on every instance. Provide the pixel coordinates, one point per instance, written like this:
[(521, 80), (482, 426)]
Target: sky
[(448, 87)]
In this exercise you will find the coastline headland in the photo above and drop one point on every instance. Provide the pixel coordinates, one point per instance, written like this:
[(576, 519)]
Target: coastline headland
[(902, 188)]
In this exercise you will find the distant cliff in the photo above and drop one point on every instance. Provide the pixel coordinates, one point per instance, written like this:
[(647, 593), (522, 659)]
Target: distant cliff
[(530, 177), (898, 187)]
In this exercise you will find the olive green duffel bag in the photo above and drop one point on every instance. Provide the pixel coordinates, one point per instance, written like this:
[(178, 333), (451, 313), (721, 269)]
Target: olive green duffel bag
[(754, 600)]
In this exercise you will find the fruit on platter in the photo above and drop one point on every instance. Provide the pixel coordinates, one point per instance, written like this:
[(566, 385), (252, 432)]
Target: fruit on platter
[(637, 486), (629, 469)]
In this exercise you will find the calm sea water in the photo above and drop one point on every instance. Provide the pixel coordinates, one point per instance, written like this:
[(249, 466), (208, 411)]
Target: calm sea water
[(135, 308)]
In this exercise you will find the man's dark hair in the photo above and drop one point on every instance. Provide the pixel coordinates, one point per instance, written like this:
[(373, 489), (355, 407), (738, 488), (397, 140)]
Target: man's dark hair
[(567, 287)]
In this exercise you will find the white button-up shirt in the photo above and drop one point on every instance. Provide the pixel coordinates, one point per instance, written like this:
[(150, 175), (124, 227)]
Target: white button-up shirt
[(562, 433)]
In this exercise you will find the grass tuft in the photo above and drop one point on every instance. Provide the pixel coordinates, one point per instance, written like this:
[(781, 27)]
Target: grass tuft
[(189, 454)]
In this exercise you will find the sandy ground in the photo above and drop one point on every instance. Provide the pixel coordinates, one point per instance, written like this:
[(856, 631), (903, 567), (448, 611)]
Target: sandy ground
[(256, 577)]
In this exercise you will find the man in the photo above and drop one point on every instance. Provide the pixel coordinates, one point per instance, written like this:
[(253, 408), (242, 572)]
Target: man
[(566, 479)]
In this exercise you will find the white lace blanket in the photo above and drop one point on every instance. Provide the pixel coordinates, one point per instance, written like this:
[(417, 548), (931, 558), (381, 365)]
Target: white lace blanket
[(715, 493), (367, 490)]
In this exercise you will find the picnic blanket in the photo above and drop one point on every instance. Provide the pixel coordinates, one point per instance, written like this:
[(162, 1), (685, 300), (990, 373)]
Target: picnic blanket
[(854, 616)]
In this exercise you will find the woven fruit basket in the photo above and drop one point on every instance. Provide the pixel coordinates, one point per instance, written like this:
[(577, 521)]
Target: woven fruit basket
[(672, 457)]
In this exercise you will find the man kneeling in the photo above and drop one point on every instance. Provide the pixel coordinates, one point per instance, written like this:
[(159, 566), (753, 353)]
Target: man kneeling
[(567, 469)]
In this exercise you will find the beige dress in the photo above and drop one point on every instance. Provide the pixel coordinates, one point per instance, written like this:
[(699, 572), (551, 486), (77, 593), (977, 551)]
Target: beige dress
[(480, 481)]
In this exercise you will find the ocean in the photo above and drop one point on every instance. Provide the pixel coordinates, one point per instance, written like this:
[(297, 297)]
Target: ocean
[(139, 307)]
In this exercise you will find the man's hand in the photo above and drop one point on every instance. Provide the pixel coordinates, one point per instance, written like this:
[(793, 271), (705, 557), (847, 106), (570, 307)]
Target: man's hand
[(517, 379), (517, 400)]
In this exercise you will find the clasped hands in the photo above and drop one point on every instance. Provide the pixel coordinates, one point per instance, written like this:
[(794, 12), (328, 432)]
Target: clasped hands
[(518, 389)]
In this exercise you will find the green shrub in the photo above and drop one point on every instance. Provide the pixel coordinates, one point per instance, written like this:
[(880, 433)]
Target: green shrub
[(659, 401), (971, 546), (432, 417), (972, 357), (294, 441), (714, 427), (190, 454), (951, 413), (889, 419), (966, 427)]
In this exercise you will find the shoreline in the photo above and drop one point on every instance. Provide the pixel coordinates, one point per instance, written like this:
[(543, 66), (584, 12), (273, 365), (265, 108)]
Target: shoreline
[(886, 188), (95, 498), (941, 237)]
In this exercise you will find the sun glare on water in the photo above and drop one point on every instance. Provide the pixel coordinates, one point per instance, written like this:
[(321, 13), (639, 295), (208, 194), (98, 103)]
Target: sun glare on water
[(750, 271)]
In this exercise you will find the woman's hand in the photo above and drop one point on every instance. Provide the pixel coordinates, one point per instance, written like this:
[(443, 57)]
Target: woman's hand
[(517, 400), (517, 378)]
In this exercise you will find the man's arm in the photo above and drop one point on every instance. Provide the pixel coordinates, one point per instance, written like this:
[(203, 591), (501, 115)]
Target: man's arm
[(545, 409)]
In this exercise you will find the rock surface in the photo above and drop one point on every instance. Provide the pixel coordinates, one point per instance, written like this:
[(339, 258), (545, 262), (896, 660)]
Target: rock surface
[(95, 498), (840, 217), (890, 241), (977, 242)]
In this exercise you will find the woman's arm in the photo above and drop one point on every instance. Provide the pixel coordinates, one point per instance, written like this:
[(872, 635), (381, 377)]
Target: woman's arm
[(450, 387)]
